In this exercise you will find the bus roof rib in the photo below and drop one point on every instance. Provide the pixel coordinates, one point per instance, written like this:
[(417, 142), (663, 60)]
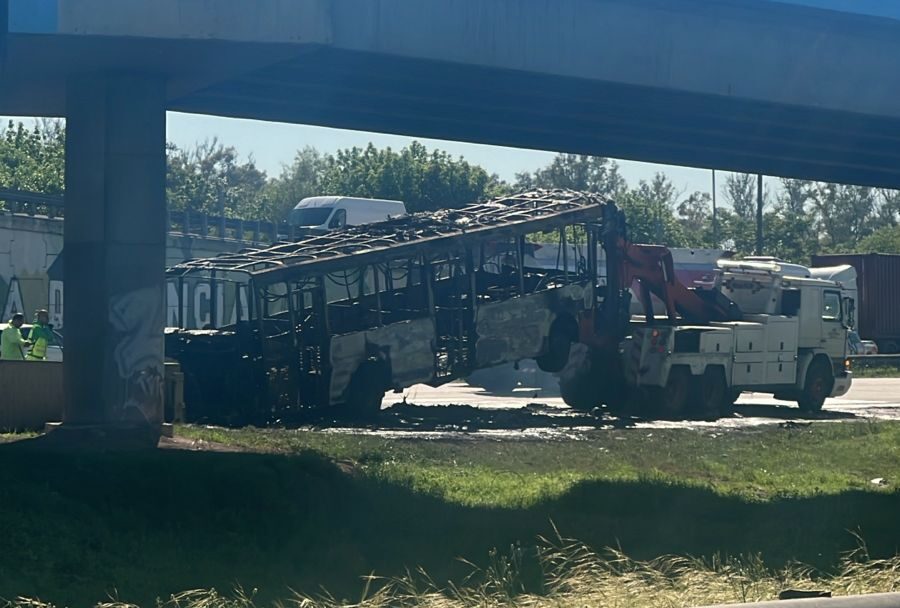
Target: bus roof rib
[(420, 233)]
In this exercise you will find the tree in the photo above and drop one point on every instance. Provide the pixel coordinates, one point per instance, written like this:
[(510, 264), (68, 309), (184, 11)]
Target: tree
[(740, 193), (33, 159), (888, 207), (423, 180), (789, 230), (846, 213), (649, 212), (884, 240), (211, 179), (301, 179), (577, 172), (695, 219), (739, 227)]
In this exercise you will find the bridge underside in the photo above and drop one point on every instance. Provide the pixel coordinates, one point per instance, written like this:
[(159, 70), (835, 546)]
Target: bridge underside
[(519, 109), (371, 92)]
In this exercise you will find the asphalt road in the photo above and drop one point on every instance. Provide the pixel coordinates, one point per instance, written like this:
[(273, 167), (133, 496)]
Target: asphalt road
[(459, 408)]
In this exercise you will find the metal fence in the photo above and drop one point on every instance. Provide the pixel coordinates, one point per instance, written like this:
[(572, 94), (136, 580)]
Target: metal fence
[(184, 222)]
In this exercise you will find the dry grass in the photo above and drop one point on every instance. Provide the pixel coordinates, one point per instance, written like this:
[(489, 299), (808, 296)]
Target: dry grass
[(573, 575)]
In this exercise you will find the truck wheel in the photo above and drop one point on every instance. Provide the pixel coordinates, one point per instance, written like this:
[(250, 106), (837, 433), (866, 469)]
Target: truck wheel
[(579, 392), (366, 390), (671, 401), (731, 399), (563, 333), (819, 381), (709, 394)]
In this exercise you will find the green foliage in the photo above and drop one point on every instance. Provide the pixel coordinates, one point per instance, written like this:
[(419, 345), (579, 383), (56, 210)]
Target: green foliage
[(846, 214), (423, 180), (884, 240), (297, 181), (32, 159), (211, 179), (649, 209), (803, 219), (576, 172)]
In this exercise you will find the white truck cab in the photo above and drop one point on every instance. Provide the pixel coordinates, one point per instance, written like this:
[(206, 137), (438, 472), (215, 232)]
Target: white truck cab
[(791, 341), (320, 214)]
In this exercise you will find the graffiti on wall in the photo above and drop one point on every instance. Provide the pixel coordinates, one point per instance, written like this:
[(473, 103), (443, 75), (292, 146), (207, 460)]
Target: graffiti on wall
[(135, 317)]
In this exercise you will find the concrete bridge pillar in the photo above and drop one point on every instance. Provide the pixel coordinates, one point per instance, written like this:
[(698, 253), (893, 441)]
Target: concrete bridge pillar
[(115, 239)]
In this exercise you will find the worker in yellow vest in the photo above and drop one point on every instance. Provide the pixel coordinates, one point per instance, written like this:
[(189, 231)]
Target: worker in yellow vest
[(12, 344), (41, 337)]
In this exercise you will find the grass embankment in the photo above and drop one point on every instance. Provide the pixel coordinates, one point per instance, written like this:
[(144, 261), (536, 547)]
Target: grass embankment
[(861, 370), (324, 509)]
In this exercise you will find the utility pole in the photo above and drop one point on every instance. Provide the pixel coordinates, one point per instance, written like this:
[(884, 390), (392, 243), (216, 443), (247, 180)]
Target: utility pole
[(715, 219), (759, 214)]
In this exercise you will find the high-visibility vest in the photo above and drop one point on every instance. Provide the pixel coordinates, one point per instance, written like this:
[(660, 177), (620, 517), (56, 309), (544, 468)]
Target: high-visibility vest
[(39, 342)]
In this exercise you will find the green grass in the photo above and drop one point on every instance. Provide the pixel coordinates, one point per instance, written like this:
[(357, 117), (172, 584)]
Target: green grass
[(753, 464), (884, 371), (318, 509)]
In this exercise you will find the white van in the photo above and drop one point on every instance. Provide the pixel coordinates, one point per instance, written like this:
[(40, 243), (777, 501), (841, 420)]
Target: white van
[(316, 214)]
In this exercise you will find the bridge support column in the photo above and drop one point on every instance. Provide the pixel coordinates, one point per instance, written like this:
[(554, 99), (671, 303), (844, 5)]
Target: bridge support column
[(115, 238)]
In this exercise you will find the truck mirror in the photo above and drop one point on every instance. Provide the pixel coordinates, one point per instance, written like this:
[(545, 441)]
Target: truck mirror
[(849, 316)]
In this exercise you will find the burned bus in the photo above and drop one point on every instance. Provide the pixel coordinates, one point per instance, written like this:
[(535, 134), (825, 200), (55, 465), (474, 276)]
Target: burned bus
[(338, 319)]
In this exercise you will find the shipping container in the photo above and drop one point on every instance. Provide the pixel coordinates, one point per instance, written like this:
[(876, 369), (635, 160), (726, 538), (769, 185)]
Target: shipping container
[(878, 300)]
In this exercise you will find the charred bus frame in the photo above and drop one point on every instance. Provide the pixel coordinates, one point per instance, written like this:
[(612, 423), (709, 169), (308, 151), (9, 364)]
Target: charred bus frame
[(343, 317)]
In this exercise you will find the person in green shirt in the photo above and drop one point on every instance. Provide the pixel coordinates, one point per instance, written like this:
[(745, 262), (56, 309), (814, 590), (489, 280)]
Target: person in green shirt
[(41, 337), (12, 344)]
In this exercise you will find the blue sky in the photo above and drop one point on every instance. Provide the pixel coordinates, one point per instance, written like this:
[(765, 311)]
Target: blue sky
[(273, 145)]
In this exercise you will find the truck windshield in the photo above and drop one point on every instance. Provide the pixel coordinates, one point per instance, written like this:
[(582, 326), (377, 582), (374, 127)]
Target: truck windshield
[(310, 216)]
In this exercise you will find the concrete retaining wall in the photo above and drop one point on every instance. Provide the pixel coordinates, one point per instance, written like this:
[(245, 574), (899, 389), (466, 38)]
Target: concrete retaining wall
[(31, 394), (31, 262)]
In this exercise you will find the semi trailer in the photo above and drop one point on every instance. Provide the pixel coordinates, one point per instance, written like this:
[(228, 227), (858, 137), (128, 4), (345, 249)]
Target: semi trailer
[(877, 315)]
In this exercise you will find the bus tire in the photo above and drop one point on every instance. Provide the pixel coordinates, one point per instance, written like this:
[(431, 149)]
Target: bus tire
[(367, 388), (563, 333), (817, 387), (579, 392)]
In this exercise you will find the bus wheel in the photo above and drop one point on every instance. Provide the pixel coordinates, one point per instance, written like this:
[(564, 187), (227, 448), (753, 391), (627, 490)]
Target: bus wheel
[(819, 381), (367, 388), (709, 394), (579, 392), (563, 333), (671, 402)]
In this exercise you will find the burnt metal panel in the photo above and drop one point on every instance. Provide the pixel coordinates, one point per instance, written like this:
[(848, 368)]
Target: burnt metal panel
[(517, 328), (407, 347)]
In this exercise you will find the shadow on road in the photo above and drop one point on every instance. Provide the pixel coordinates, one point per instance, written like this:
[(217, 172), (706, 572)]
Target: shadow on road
[(788, 412)]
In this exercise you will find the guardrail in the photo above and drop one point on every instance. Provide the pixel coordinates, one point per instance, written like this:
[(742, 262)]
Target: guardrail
[(32, 203), (874, 361), (185, 222), (203, 224)]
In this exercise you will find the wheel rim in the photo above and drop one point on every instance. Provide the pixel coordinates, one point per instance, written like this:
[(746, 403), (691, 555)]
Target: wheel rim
[(817, 390)]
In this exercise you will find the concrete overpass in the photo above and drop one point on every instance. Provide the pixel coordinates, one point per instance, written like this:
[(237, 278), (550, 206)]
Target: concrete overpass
[(803, 88)]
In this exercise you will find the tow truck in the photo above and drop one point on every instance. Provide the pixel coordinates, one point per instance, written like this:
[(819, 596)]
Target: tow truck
[(763, 326)]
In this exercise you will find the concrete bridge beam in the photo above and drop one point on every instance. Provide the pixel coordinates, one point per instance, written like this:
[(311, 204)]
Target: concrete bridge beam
[(115, 243)]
